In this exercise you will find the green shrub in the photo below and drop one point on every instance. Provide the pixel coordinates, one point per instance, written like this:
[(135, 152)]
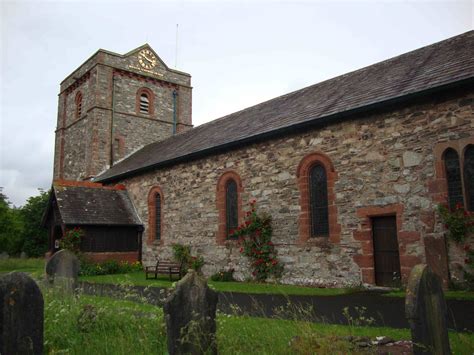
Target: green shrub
[(223, 275), (255, 237), (108, 267), (182, 255)]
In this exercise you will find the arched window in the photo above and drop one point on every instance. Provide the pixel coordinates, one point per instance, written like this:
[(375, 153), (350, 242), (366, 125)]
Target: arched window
[(231, 206), (453, 176), (318, 220), (78, 102), (155, 215), (469, 176), (145, 101), (318, 193)]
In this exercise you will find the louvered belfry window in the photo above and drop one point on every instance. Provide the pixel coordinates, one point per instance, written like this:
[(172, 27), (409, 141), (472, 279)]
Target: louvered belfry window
[(318, 201), (144, 103), (469, 176), (157, 216), (231, 206), (453, 176)]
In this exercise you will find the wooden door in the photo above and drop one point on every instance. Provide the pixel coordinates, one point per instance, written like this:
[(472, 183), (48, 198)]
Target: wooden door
[(386, 256)]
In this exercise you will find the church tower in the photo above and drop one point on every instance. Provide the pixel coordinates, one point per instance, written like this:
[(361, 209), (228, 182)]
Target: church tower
[(114, 104)]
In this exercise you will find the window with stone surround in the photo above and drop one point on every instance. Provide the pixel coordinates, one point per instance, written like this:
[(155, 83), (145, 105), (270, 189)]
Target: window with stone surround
[(229, 204), (155, 215), (469, 176), (453, 177), (145, 101), (318, 216), (318, 195), (78, 102)]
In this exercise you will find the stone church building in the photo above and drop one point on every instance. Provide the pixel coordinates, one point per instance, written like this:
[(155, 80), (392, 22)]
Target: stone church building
[(351, 169)]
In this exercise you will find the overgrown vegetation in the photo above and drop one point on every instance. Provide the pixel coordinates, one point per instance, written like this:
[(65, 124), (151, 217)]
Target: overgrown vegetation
[(100, 325), (458, 222), (460, 225), (182, 255), (223, 276), (109, 267), (255, 237), (20, 227)]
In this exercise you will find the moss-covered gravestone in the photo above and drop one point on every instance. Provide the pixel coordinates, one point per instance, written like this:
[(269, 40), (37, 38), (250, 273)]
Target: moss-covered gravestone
[(63, 270), (190, 314), (426, 312), (21, 315)]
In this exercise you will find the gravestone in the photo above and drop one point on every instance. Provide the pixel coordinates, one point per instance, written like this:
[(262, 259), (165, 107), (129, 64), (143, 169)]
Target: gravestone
[(23, 255), (190, 314), (4, 255), (21, 315), (63, 269), (426, 311)]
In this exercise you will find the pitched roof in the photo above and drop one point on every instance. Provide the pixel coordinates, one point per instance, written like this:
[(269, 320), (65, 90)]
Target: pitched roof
[(434, 66), (83, 205)]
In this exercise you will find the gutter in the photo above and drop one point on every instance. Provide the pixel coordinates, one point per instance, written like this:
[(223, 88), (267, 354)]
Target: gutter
[(298, 127)]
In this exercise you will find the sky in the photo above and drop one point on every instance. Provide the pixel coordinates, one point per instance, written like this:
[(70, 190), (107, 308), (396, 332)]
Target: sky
[(239, 53)]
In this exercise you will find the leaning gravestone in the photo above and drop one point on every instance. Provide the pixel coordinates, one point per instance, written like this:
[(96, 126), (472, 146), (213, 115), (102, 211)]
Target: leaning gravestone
[(63, 269), (426, 312), (190, 314), (21, 315)]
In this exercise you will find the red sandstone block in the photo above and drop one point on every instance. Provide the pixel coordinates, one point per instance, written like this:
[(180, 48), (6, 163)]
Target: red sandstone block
[(437, 186), (368, 276), (367, 247), (407, 237), (408, 261), (362, 235), (364, 260)]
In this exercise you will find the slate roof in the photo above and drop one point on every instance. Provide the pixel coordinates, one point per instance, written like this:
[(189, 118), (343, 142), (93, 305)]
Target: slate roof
[(79, 205), (425, 69)]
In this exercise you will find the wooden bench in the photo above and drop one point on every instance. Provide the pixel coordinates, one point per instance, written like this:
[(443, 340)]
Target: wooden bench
[(165, 268)]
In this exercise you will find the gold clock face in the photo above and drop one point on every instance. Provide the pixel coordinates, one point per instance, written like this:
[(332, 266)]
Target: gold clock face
[(147, 59)]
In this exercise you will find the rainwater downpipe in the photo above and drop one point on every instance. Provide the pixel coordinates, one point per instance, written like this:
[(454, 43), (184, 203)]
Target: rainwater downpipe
[(175, 95), (112, 123)]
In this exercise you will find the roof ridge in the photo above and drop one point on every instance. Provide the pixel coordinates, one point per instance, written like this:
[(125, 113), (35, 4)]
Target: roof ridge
[(427, 68)]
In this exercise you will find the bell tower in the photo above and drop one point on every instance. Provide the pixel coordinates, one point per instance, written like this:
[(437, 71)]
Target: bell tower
[(112, 105)]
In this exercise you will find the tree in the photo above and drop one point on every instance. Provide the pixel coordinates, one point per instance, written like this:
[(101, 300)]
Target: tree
[(11, 227), (34, 236)]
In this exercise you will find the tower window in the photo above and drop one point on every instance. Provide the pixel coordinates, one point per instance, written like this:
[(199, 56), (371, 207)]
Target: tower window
[(145, 101), (78, 104)]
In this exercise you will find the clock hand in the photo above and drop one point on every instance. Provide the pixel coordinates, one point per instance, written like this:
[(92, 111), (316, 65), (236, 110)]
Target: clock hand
[(145, 56)]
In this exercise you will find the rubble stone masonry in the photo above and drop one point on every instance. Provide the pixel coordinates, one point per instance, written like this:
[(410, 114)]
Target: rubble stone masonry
[(385, 163), (109, 123)]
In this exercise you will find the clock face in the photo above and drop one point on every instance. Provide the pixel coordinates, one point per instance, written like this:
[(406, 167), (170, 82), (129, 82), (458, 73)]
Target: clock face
[(147, 59)]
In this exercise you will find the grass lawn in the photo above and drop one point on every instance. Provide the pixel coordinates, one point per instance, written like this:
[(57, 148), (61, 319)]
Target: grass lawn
[(138, 278), (33, 266), (100, 325)]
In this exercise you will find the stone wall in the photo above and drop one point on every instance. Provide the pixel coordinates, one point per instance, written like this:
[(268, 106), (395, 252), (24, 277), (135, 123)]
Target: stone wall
[(384, 163)]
